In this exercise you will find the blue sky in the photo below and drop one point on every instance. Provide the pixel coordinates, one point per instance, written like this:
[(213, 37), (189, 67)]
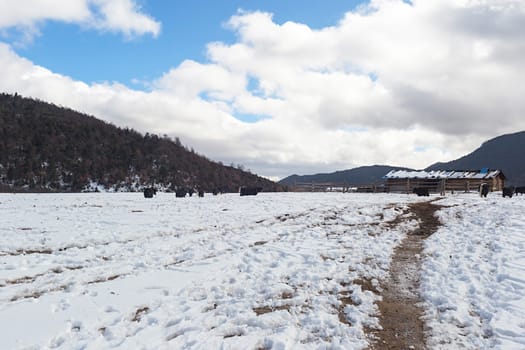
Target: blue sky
[(282, 87), (187, 26)]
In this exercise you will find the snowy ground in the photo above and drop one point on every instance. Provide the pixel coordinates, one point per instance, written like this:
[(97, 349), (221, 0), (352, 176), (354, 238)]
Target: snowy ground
[(473, 278), (275, 271)]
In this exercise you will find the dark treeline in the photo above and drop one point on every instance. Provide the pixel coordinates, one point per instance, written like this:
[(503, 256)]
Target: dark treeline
[(44, 147)]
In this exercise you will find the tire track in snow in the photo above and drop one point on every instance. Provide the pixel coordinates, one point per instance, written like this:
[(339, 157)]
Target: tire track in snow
[(48, 285), (400, 315)]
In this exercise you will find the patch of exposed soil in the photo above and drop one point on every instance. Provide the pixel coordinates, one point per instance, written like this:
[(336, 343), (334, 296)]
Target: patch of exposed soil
[(31, 279), (400, 319), (139, 313), (345, 298), (37, 294), (284, 296), (105, 279), (267, 309), (26, 252)]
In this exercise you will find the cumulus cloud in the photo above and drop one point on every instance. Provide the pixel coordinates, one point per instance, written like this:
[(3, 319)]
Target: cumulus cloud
[(28, 12), (122, 16), (396, 83)]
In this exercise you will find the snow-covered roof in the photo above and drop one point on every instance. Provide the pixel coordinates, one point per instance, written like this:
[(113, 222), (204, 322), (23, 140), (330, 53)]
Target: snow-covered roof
[(443, 174)]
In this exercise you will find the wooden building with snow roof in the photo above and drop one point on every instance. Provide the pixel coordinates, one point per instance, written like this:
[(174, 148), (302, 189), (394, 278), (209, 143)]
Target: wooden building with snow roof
[(441, 181)]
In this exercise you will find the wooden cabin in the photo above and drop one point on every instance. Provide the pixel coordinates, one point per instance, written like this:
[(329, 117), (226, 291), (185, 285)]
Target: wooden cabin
[(441, 181)]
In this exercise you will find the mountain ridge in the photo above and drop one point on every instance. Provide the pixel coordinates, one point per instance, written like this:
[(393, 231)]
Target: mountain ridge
[(364, 175), (505, 152), (502, 152)]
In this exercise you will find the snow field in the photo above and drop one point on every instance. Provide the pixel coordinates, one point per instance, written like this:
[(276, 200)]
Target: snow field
[(276, 271), (473, 279)]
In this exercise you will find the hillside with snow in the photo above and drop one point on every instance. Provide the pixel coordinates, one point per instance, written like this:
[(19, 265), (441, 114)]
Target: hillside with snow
[(274, 271)]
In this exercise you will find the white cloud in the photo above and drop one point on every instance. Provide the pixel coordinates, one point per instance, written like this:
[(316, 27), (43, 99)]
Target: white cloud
[(391, 83), (191, 78), (28, 12), (122, 16)]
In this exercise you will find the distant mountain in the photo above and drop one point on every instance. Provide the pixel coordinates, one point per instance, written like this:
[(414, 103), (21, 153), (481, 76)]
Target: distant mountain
[(44, 147), (506, 152), (364, 175)]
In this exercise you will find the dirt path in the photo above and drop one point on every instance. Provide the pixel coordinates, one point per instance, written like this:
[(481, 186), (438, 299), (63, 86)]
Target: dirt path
[(400, 316)]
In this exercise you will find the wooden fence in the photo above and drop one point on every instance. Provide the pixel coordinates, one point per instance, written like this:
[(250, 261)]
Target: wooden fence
[(440, 186), (335, 187)]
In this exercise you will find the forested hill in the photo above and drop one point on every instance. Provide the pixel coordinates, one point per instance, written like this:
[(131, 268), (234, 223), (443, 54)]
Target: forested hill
[(44, 147)]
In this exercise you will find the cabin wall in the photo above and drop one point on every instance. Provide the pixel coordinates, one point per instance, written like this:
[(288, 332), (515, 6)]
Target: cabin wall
[(498, 183), (465, 185), (408, 185), (442, 185)]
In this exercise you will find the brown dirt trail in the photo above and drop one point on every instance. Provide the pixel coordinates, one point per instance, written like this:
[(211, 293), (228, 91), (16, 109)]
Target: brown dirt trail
[(400, 319)]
